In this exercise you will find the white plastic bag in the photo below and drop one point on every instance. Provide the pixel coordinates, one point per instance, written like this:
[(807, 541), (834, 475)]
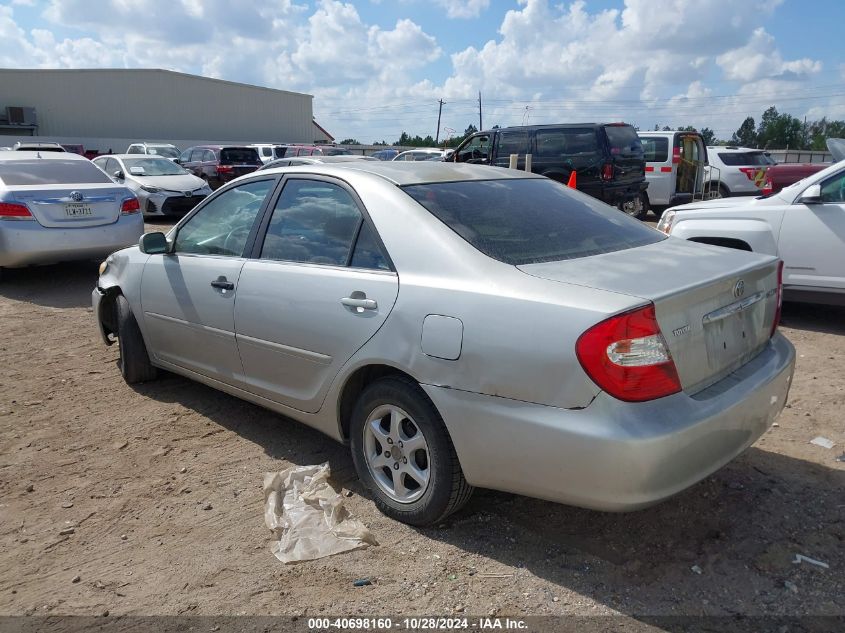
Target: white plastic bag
[(308, 517)]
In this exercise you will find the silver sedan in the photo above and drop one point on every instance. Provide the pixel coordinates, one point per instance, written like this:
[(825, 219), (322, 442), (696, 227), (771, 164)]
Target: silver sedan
[(461, 326), (56, 206), (162, 186)]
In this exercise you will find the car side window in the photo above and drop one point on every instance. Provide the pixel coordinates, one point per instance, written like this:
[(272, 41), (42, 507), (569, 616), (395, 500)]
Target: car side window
[(512, 143), (368, 253), (833, 189), (185, 157), (476, 150), (314, 222), (112, 166), (222, 226), (208, 157), (196, 156)]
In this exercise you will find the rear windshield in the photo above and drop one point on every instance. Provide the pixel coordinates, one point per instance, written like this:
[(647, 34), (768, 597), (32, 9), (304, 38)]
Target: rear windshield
[(655, 149), (623, 140), (50, 172), (163, 150), (239, 155), (531, 220), (746, 158)]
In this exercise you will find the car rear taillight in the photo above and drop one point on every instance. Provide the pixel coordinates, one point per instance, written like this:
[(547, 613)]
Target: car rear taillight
[(607, 171), (626, 356), (130, 206), (676, 155), (225, 169), (776, 322), (15, 211)]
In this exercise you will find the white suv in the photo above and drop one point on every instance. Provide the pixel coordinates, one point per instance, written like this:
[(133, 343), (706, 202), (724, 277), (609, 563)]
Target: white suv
[(165, 150), (741, 171)]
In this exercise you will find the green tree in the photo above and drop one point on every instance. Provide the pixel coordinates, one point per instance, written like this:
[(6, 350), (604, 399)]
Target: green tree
[(350, 141), (819, 131), (470, 130), (746, 134), (708, 135), (780, 131)]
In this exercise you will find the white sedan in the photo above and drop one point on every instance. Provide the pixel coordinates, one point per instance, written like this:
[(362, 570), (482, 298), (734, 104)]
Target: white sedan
[(803, 224), (56, 207)]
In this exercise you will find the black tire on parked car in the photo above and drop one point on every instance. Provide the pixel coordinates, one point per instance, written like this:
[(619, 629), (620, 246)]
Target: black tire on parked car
[(636, 207), (447, 491), (135, 363)]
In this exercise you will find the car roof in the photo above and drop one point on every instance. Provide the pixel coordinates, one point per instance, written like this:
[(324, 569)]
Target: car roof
[(411, 173), (734, 148), (141, 156), (29, 155)]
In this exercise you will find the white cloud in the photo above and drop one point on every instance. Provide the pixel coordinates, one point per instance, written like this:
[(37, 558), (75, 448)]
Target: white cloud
[(463, 9), (759, 59)]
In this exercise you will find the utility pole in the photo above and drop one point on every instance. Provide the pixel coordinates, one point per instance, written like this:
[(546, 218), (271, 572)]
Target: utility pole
[(439, 112), (480, 125)]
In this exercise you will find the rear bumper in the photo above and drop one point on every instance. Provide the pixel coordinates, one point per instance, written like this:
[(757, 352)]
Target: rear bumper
[(23, 243), (612, 455)]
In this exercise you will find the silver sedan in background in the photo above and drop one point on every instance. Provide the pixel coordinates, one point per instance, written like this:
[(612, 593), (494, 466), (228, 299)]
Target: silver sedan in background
[(162, 186), (461, 326), (57, 206)]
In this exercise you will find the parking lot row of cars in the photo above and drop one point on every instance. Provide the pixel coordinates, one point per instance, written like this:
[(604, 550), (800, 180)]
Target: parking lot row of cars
[(283, 288)]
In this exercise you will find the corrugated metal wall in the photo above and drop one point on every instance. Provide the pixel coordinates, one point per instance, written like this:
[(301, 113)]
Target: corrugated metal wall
[(156, 105)]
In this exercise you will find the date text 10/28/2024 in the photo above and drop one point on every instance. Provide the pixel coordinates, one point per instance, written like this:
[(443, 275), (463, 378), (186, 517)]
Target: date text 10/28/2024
[(416, 624)]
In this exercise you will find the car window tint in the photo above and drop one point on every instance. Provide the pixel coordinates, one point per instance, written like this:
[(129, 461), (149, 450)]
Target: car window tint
[(531, 220), (50, 172), (566, 142), (239, 155), (623, 140), (222, 226), (655, 149), (314, 222), (753, 159), (512, 143), (833, 189), (368, 253)]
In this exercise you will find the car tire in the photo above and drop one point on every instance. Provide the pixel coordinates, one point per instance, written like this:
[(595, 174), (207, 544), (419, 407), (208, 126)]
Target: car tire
[(397, 408), (134, 361), (637, 207)]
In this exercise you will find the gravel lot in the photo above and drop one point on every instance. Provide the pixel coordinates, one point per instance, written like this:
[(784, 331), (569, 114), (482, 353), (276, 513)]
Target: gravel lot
[(161, 485)]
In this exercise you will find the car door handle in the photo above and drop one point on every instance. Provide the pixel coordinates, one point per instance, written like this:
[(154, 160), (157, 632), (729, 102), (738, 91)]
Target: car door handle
[(360, 302), (223, 284)]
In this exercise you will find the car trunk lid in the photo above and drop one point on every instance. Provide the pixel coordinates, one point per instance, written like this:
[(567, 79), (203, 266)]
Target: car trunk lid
[(68, 206), (715, 306)]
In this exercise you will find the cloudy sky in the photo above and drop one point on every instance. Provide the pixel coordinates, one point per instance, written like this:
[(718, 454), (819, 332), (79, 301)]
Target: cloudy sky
[(378, 67)]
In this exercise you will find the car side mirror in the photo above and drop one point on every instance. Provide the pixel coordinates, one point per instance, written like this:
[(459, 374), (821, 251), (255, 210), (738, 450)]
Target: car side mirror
[(154, 244), (811, 195), (119, 174), (177, 161)]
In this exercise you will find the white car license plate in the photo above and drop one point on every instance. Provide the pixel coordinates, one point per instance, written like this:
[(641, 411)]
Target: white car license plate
[(74, 210)]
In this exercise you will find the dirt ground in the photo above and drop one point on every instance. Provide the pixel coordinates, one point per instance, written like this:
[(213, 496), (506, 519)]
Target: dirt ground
[(161, 485)]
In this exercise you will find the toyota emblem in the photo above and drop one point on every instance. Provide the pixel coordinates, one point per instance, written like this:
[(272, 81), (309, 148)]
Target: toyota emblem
[(739, 289), (76, 196)]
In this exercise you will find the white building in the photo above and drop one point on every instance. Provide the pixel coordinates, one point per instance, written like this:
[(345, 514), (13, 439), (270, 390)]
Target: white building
[(111, 108)]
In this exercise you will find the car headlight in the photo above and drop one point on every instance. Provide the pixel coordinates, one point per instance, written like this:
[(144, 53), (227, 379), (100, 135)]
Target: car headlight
[(666, 222), (149, 189), (104, 266)]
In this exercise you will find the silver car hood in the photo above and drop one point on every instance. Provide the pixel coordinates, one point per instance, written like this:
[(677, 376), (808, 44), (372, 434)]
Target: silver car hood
[(181, 184)]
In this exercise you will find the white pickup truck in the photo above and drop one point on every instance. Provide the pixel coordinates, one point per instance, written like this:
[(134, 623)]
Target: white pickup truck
[(803, 224)]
